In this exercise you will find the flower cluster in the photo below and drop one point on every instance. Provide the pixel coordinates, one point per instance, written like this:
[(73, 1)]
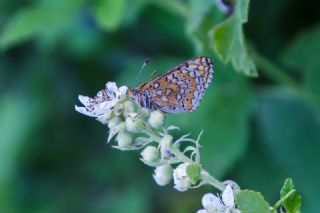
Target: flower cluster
[(136, 128), (214, 204)]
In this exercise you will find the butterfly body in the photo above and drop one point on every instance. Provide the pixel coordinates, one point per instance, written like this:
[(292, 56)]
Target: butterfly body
[(177, 90)]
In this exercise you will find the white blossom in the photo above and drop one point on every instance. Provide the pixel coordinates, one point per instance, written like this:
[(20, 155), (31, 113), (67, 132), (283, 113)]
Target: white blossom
[(181, 180), (213, 204), (103, 102)]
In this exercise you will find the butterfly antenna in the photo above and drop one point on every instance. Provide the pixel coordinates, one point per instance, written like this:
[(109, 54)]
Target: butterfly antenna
[(139, 73)]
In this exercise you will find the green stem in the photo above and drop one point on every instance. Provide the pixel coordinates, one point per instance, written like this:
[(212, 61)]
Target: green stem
[(282, 200), (281, 76), (179, 154), (207, 178), (273, 70)]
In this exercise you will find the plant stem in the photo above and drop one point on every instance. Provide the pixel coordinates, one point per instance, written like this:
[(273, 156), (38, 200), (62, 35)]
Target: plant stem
[(179, 154), (281, 76), (273, 70), (283, 199), (207, 178)]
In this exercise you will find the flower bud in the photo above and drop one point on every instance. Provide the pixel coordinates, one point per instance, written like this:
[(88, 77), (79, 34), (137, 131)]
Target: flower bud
[(132, 123), (105, 117), (165, 141), (118, 109), (181, 180), (124, 139), (156, 119), (113, 122), (163, 174), (150, 154), (144, 112), (128, 106)]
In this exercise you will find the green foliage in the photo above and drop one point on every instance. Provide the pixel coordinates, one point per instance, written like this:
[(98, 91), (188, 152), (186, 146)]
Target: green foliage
[(109, 14), (38, 20), (292, 203), (228, 40), (251, 202), (301, 55), (255, 131)]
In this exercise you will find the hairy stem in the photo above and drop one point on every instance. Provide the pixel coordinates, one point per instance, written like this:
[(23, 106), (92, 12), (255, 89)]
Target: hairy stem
[(207, 178)]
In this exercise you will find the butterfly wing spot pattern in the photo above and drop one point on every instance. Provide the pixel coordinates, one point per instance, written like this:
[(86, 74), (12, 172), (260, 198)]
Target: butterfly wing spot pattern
[(180, 89)]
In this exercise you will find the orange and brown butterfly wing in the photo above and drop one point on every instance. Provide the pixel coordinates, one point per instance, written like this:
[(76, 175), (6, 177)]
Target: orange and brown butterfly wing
[(181, 88)]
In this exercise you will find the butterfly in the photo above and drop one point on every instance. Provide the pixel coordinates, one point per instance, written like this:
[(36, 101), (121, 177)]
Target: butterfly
[(179, 89)]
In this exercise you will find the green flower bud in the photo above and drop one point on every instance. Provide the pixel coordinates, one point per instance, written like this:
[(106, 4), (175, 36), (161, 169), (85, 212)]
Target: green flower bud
[(113, 122), (105, 117), (163, 174), (128, 107), (156, 119), (124, 139), (150, 154), (118, 109), (133, 123)]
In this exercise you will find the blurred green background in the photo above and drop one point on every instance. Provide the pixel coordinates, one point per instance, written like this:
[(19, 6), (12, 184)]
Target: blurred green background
[(257, 131)]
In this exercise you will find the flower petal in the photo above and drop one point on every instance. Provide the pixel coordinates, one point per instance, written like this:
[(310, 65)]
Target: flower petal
[(212, 202), (85, 111), (228, 197)]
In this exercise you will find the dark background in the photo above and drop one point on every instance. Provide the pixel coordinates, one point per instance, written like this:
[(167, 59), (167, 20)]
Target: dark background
[(257, 131)]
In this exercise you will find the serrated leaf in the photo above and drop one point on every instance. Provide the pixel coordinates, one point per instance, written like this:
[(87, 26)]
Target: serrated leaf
[(109, 13), (229, 43), (193, 172), (293, 203), (251, 202)]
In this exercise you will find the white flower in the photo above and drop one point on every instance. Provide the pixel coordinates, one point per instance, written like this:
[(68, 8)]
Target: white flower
[(228, 197), (181, 180), (163, 174), (213, 204), (150, 154), (103, 102)]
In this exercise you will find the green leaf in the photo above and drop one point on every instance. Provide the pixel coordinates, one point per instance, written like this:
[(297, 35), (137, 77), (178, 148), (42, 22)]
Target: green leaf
[(193, 172), (109, 13), (290, 134), (228, 40), (293, 203), (303, 55), (40, 19), (202, 16), (251, 202), (23, 26)]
